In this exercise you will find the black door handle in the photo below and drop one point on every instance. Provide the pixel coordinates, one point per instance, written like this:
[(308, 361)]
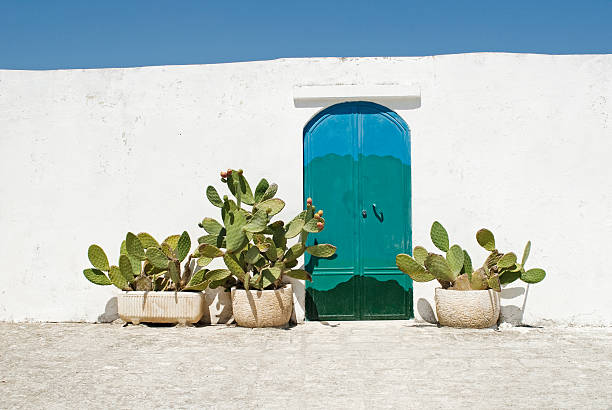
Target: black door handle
[(378, 213)]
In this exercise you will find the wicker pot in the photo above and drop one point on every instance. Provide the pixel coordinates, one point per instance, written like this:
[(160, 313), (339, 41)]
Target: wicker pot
[(262, 308), (467, 308), (161, 307)]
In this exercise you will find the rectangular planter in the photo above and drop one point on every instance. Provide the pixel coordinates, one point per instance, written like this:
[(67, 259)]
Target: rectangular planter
[(161, 307)]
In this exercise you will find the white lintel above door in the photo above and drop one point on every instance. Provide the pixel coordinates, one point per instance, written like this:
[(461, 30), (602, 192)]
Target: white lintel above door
[(395, 96)]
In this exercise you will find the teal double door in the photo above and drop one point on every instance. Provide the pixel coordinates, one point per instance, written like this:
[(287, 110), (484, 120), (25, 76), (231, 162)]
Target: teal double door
[(357, 169)]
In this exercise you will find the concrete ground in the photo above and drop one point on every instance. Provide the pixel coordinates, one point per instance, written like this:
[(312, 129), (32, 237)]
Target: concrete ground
[(393, 364)]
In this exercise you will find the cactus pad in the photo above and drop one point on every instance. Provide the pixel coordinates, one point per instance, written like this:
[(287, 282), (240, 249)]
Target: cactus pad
[(215, 240), (172, 240), (486, 239), (294, 252), (258, 222), (98, 258), (479, 280), (157, 258), (526, 253), (506, 261), (125, 266), (311, 225), (209, 251), (252, 255), (197, 281), (97, 276), (508, 277), (534, 275), (234, 224), (420, 254), (233, 265), (270, 192), (117, 278), (299, 274), (271, 206), (183, 245), (211, 226), (167, 250), (323, 250), (454, 257), (147, 240), (204, 261), (260, 190), (467, 264), (213, 196), (134, 246), (174, 270), (295, 226), (439, 268), (462, 282), (492, 259), (493, 283), (411, 267), (439, 236), (217, 275), (270, 275)]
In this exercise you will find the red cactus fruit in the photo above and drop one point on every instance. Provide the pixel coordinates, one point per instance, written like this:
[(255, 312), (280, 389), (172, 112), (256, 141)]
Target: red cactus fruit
[(309, 201), (319, 225), (320, 212), (317, 216), (223, 174)]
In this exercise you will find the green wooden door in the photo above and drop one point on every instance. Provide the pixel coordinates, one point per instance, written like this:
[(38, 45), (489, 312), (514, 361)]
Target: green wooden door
[(357, 169)]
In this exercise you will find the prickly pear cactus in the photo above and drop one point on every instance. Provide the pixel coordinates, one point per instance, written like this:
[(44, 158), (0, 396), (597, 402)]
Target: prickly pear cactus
[(145, 264), (255, 249), (455, 271)]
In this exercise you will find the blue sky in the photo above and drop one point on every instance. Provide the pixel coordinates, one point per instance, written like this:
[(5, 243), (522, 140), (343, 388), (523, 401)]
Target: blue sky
[(37, 34)]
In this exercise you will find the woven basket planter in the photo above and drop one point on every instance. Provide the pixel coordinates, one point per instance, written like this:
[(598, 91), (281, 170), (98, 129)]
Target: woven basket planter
[(262, 308), (161, 307), (467, 308)]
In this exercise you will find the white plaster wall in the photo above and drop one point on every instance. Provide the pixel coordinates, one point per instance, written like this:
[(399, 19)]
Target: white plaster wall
[(517, 143)]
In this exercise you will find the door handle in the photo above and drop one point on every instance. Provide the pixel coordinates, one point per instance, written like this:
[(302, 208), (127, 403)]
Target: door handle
[(378, 213)]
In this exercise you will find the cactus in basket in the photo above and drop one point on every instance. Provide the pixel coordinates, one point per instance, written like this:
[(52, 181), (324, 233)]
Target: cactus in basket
[(455, 271), (254, 249), (145, 264)]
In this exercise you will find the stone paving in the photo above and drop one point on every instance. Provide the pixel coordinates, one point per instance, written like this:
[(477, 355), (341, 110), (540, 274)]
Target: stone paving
[(395, 364)]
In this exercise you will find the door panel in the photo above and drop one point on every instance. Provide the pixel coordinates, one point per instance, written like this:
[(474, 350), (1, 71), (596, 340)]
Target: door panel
[(357, 155), (384, 168), (329, 153)]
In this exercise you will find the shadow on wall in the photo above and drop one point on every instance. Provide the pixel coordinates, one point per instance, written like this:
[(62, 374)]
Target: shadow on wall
[(110, 312), (426, 311), (394, 103), (513, 303), (299, 289)]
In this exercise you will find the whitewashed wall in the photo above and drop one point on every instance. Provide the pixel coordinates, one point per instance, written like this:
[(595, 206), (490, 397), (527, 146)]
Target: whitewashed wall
[(520, 144)]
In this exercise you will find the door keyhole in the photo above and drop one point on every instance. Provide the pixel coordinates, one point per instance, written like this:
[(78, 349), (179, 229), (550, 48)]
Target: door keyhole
[(364, 213)]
